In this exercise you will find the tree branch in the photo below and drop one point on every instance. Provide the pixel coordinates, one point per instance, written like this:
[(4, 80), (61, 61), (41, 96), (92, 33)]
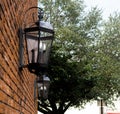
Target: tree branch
[(67, 106), (53, 105), (44, 107)]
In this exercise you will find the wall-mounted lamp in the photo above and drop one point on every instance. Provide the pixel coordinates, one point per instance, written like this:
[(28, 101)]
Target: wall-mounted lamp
[(43, 84), (38, 37)]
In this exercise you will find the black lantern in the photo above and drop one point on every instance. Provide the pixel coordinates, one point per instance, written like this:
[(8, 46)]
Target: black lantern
[(38, 37), (43, 83)]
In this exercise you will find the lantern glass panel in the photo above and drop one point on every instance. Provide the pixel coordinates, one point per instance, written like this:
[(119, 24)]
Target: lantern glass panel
[(32, 47), (44, 50)]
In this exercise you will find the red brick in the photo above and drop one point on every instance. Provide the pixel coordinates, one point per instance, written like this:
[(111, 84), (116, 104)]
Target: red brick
[(16, 88)]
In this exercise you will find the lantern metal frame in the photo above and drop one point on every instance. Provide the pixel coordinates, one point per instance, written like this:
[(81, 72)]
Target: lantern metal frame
[(43, 84), (36, 27)]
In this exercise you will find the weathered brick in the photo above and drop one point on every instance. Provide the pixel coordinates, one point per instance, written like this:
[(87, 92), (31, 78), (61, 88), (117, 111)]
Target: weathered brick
[(16, 88)]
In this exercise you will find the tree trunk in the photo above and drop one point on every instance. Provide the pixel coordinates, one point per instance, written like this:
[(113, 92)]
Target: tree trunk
[(55, 112)]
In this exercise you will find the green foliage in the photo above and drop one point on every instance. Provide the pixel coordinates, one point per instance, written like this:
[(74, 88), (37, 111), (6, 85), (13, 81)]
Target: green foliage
[(62, 12), (111, 37), (67, 83), (84, 63), (110, 46)]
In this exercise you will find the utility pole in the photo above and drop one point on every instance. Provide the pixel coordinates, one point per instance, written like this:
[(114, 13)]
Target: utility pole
[(101, 106)]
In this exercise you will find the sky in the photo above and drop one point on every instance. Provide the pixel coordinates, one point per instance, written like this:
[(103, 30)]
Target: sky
[(93, 108), (108, 7)]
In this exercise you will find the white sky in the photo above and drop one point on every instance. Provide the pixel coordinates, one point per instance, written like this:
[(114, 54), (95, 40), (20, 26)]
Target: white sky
[(108, 7), (93, 108)]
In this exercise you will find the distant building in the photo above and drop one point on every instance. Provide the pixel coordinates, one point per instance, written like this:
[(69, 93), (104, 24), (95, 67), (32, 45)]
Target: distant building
[(113, 112)]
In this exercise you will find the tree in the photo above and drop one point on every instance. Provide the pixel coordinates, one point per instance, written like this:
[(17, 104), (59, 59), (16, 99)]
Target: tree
[(68, 87), (62, 12), (110, 46), (104, 60), (111, 37), (79, 69)]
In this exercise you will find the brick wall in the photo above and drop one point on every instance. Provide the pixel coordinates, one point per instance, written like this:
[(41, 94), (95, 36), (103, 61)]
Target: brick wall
[(16, 88)]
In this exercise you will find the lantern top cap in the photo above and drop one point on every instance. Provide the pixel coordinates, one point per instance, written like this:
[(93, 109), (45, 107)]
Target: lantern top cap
[(45, 25), (45, 78)]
